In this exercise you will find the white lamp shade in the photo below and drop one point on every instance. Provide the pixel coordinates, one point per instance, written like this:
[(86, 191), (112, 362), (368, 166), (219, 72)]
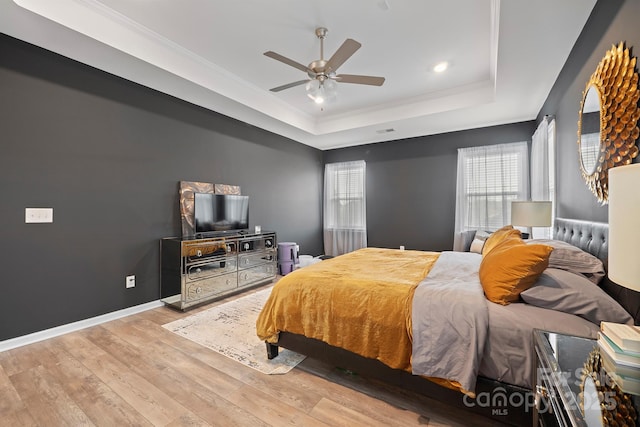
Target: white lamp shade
[(531, 214), (624, 231)]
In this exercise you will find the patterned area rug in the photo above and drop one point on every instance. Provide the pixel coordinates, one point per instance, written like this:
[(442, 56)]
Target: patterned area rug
[(230, 329)]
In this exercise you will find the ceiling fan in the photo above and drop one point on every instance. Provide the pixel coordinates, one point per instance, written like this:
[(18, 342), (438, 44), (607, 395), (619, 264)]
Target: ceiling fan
[(322, 73)]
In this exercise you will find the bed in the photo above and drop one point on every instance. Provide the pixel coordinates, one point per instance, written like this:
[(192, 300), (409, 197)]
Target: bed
[(390, 332)]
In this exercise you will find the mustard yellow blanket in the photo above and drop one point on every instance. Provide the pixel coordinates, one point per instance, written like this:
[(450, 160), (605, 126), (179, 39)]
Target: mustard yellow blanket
[(360, 301)]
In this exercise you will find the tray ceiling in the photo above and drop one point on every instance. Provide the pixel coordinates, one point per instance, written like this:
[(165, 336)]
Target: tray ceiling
[(503, 56)]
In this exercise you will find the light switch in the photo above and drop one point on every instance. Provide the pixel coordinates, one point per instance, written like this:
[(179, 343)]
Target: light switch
[(38, 215)]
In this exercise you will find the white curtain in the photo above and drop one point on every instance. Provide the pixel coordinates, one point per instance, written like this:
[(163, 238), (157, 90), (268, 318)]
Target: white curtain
[(543, 169), (490, 177), (345, 216)]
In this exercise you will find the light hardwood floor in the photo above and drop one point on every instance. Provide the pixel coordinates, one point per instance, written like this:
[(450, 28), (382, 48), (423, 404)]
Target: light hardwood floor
[(132, 371)]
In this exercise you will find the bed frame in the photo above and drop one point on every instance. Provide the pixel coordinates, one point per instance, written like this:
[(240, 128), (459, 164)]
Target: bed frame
[(588, 236)]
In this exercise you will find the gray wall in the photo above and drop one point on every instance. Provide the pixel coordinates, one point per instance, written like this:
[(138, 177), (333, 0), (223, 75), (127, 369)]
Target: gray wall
[(107, 155), (411, 184), (611, 22)]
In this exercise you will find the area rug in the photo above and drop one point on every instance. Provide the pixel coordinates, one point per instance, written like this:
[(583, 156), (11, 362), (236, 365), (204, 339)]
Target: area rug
[(230, 329)]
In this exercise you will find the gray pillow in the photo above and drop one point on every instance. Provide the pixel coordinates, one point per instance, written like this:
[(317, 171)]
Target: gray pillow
[(466, 237), (572, 293), (567, 257)]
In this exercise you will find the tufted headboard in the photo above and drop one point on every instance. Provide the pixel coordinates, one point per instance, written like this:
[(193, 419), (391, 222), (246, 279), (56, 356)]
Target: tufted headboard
[(593, 237)]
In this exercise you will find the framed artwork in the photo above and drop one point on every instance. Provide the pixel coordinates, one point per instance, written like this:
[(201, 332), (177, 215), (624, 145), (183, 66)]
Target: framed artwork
[(186, 191)]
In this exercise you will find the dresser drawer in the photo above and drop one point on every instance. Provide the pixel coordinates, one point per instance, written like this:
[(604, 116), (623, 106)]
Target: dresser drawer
[(252, 259), (257, 243), (256, 274), (198, 251), (207, 287), (211, 268)]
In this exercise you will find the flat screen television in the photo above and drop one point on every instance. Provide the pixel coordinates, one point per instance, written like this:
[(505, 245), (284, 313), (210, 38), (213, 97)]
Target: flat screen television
[(220, 213)]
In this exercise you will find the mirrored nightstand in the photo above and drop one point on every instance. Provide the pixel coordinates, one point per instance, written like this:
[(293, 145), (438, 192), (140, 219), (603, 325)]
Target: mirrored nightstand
[(560, 378)]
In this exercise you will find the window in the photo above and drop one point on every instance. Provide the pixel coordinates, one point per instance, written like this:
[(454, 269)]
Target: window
[(345, 219), (543, 167), (345, 186), (489, 179)]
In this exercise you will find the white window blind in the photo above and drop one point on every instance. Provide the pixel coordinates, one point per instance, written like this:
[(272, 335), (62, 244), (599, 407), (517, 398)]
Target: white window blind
[(346, 197), (489, 179), (345, 219)]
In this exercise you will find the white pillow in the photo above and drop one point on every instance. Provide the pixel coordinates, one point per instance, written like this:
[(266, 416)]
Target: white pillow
[(478, 242)]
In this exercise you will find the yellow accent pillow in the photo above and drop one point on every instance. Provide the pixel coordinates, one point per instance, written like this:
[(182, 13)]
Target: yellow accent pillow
[(498, 236), (512, 267)]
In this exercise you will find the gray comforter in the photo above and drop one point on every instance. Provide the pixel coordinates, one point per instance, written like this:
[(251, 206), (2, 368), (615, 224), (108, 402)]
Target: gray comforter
[(450, 321), (458, 334)]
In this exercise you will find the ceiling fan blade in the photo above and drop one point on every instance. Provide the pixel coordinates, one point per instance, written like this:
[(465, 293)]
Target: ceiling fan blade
[(288, 85), (287, 61), (361, 80), (343, 53)]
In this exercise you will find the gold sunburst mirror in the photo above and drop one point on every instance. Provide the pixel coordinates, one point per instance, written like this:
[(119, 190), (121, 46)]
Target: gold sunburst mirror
[(607, 125), (602, 401)]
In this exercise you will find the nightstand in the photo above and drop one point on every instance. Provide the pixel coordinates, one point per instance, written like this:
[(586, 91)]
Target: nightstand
[(559, 360), (558, 382)]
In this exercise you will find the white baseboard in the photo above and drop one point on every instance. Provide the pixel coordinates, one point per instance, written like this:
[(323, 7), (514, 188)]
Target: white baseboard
[(76, 326)]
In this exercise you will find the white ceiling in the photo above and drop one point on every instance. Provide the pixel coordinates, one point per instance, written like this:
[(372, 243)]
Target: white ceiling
[(504, 57)]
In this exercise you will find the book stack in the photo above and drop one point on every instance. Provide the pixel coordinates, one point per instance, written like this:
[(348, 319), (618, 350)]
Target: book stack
[(620, 354)]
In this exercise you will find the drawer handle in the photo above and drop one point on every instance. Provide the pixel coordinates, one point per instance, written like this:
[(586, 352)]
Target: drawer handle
[(246, 246), (198, 290), (198, 270), (541, 393), (199, 253), (268, 243)]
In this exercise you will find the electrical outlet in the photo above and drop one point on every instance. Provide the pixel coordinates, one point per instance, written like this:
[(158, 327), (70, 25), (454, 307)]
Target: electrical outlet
[(402, 247), (38, 215), (130, 281)]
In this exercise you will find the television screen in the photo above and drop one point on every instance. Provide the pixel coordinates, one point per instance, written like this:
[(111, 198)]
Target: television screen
[(220, 212)]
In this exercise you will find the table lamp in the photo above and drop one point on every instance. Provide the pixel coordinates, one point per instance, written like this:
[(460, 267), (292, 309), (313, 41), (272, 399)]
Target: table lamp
[(624, 231), (531, 214)]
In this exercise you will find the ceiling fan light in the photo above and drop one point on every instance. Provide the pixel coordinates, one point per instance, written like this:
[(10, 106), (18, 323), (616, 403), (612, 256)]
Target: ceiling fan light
[(330, 90), (312, 89), (322, 91)]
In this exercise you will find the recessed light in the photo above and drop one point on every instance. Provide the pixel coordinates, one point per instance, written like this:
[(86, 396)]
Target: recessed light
[(440, 67)]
